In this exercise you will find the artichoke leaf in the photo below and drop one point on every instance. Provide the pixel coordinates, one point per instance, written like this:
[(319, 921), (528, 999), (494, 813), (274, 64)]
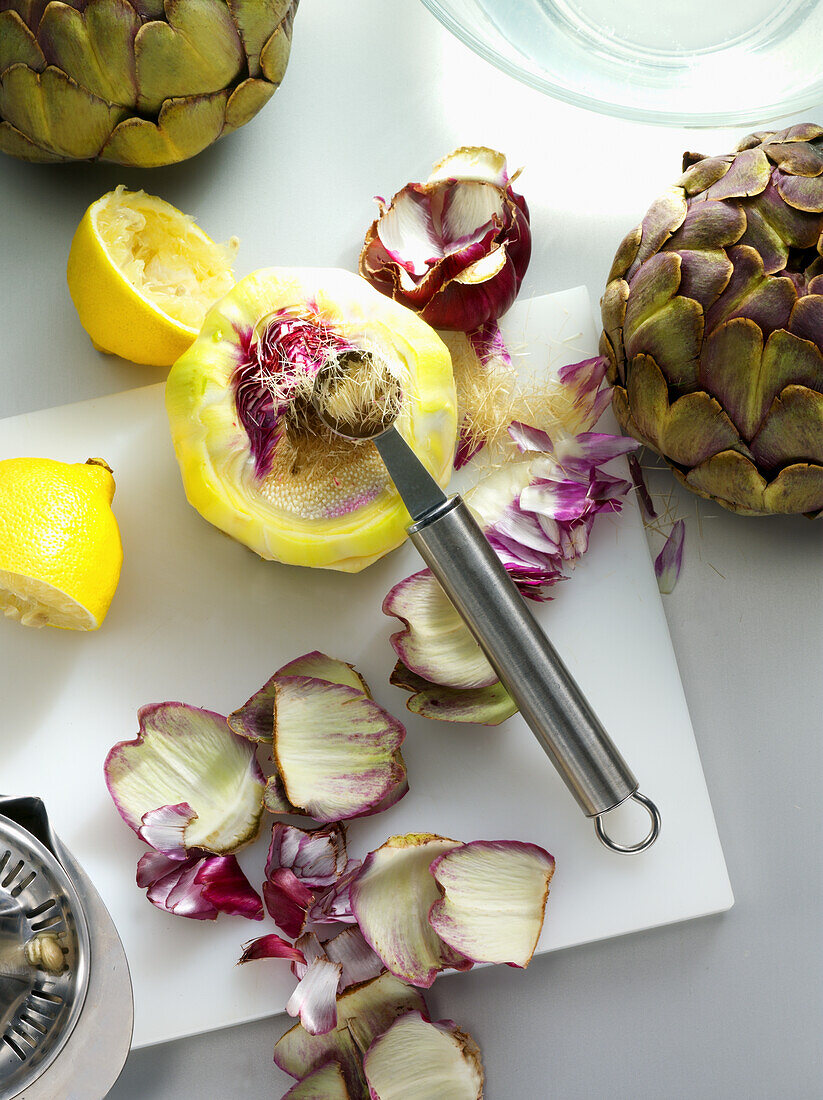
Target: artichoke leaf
[(663, 218), (708, 225), (246, 100), (672, 337), (798, 488), (274, 57), (18, 46), (792, 431), (196, 53), (654, 285), (18, 145), (184, 127), (748, 175), (54, 111), (256, 22), (704, 274), (95, 47)]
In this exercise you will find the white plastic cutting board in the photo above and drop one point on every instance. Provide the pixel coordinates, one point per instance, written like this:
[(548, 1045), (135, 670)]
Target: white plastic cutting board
[(199, 618)]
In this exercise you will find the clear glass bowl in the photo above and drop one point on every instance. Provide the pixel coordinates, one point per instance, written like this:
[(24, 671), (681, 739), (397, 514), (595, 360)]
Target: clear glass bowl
[(676, 62)]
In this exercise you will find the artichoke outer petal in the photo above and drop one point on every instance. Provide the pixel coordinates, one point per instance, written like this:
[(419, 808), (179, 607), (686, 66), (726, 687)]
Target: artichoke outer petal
[(702, 173), (672, 337), (664, 216), (792, 431), (764, 239), (797, 488), (731, 479), (652, 287), (748, 175), (274, 57), (708, 225), (53, 111), (95, 47), (688, 431), (704, 274), (256, 22), (806, 320), (802, 192), (184, 127), (796, 159), (246, 100), (626, 253), (197, 52), (18, 145), (18, 46)]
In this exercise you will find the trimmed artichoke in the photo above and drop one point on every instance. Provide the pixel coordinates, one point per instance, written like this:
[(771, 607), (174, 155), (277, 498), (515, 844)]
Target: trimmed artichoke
[(138, 82), (713, 319), (256, 460)]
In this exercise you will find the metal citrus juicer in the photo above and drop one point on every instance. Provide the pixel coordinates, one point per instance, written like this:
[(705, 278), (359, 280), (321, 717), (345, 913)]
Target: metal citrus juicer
[(460, 556), (66, 1009)]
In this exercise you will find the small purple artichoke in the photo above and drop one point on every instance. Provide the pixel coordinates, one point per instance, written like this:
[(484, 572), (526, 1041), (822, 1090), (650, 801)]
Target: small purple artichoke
[(455, 248)]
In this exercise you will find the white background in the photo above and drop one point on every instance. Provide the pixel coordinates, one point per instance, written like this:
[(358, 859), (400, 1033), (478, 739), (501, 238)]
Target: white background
[(376, 91)]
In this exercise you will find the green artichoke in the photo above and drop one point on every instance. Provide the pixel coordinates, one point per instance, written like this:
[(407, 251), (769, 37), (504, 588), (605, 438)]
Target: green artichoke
[(137, 82), (713, 319)]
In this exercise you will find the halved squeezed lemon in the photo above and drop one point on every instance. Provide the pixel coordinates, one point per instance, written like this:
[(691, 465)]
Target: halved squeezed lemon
[(142, 276), (60, 549)]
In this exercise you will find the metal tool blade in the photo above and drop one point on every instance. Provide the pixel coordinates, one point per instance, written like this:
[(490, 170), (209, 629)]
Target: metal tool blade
[(419, 491)]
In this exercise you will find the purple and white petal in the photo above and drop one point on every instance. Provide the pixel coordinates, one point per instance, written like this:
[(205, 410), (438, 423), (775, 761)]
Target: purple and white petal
[(669, 561), (164, 829), (199, 887), (316, 856), (494, 899), (333, 906), (419, 1060), (529, 439), (184, 755), (558, 500), (287, 900), (271, 946), (391, 898), (315, 998), (336, 750), (359, 962), (435, 641)]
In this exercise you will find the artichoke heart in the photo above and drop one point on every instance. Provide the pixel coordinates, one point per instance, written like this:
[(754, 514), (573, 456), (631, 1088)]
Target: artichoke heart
[(256, 460)]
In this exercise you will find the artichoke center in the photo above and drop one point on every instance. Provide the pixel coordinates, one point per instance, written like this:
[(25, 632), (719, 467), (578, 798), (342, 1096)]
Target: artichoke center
[(299, 464)]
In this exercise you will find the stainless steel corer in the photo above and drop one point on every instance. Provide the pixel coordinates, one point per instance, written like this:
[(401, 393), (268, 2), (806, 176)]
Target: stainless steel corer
[(459, 555), (66, 1010)]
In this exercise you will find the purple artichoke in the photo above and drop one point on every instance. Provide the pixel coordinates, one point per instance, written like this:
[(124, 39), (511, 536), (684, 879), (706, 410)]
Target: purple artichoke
[(713, 319)]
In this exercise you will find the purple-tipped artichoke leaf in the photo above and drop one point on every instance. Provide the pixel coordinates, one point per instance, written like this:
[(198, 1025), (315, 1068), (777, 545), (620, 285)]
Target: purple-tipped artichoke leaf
[(326, 1083), (164, 829), (669, 561), (359, 962), (419, 1060), (486, 706), (323, 667), (336, 750), (271, 946), (436, 644), (494, 899), (315, 998), (199, 887), (391, 898), (183, 755), (370, 1009)]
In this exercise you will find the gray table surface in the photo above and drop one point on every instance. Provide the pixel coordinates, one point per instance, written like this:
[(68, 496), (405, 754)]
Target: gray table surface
[(729, 1006)]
